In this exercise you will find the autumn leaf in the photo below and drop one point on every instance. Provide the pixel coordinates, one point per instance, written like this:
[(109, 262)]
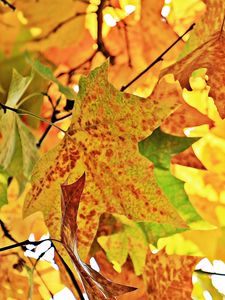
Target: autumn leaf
[(137, 41), (159, 148), (205, 50), (49, 25), (96, 286), (47, 74), (169, 276), (101, 140), (18, 152), (3, 187), (130, 240)]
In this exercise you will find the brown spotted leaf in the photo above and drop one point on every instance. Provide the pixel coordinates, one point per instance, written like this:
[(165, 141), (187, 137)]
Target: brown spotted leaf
[(96, 286), (169, 277), (102, 142)]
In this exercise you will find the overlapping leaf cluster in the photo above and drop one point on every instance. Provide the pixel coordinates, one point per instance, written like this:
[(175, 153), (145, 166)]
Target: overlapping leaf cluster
[(139, 177)]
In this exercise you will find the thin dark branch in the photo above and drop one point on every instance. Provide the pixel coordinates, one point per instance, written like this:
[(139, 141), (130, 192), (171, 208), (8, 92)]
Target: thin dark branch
[(25, 112), (6, 232), (127, 44), (9, 236), (24, 243), (70, 273), (209, 273), (53, 120), (43, 136), (159, 58), (63, 117), (221, 30), (100, 42), (8, 4), (58, 26)]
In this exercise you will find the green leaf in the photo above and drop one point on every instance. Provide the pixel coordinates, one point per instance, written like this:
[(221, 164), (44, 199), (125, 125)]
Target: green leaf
[(159, 148), (35, 88), (3, 187), (47, 73), (17, 87), (131, 240), (18, 152)]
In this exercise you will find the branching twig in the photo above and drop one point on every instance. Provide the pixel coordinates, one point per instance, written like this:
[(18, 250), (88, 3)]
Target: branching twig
[(59, 25), (54, 119), (36, 243), (100, 42), (25, 112), (73, 70), (209, 273), (159, 58), (8, 4), (70, 273)]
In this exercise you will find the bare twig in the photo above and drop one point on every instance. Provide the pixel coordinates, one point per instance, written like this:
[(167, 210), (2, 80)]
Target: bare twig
[(70, 273), (8, 4), (209, 273), (25, 112), (159, 58), (59, 25), (100, 42), (73, 70), (36, 243)]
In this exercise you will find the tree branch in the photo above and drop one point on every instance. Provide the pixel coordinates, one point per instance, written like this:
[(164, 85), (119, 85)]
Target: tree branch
[(36, 243), (59, 25), (100, 42), (25, 112), (8, 4), (209, 273), (159, 58), (70, 273)]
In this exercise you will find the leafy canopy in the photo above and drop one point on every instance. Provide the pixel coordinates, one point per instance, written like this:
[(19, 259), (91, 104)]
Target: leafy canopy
[(111, 141)]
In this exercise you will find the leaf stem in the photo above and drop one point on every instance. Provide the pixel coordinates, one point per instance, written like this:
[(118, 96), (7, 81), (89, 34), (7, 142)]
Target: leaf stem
[(27, 98), (25, 112), (159, 58)]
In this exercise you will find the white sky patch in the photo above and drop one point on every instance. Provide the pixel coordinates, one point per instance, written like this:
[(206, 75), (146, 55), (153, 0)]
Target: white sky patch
[(129, 9), (218, 281), (94, 264), (109, 20), (165, 11), (76, 88), (167, 1), (44, 247), (207, 295), (64, 294), (85, 296), (204, 265)]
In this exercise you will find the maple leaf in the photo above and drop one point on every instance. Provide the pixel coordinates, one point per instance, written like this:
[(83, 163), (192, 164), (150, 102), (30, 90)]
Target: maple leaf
[(159, 148), (49, 25), (101, 141), (136, 42), (96, 286), (205, 50), (169, 276), (131, 239), (3, 186), (18, 152)]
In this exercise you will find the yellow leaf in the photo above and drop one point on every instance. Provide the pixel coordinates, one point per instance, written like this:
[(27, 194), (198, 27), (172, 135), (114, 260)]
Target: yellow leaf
[(102, 142)]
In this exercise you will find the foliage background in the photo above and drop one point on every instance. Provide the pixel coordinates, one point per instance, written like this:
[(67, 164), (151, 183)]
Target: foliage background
[(152, 204)]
